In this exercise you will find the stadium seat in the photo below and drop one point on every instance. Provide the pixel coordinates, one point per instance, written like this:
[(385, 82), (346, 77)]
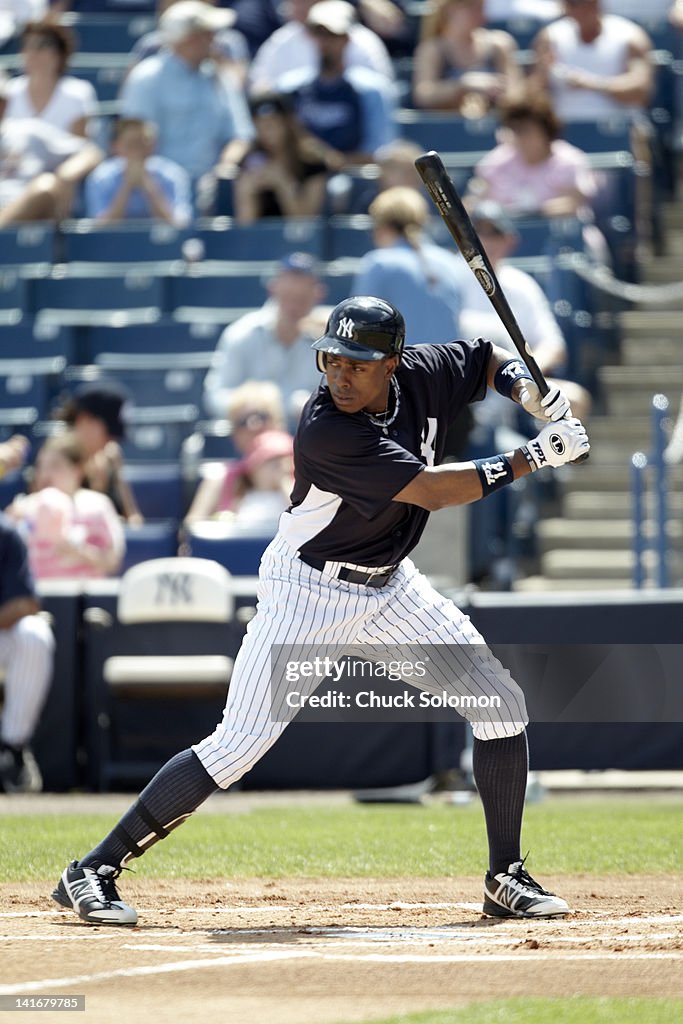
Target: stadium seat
[(158, 489), (143, 242), (150, 540), (338, 280), (166, 337), (447, 133), (13, 292), (206, 290), (155, 379), (19, 419), (107, 33), (83, 296), (237, 550), (27, 243), (157, 667), (269, 239), (216, 443), (349, 236), (31, 340), (156, 433), (30, 383)]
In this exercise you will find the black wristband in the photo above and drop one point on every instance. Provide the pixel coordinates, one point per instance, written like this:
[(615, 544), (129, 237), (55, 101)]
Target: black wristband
[(506, 375), (494, 473)]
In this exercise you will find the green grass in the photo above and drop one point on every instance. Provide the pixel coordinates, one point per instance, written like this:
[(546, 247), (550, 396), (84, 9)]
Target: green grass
[(577, 1010), (564, 836)]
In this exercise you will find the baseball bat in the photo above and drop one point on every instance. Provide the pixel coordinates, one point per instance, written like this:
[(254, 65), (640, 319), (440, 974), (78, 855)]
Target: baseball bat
[(456, 218)]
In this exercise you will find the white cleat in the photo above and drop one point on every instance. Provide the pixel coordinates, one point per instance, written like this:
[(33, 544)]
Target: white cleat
[(514, 893)]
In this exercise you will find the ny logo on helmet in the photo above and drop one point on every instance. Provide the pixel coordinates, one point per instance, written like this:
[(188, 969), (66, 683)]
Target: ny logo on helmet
[(345, 328)]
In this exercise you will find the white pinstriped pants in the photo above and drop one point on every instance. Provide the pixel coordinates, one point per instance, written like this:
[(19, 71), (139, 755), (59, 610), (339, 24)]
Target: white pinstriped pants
[(26, 651), (300, 606)]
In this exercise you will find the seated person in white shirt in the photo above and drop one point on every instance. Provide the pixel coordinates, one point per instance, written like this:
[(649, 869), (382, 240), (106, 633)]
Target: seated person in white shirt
[(272, 343), (45, 91), (529, 305), (135, 183)]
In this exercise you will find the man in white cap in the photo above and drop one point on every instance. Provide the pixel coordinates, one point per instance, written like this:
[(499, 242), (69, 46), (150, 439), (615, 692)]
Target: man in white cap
[(350, 110), (292, 48), (201, 116)]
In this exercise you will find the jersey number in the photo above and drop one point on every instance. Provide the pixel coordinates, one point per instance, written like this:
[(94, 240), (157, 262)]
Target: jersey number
[(427, 450)]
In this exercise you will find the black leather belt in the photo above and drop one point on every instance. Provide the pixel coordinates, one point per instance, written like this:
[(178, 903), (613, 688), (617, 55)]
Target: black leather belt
[(343, 572)]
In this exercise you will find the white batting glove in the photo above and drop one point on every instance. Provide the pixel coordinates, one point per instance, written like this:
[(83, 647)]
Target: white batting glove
[(557, 444), (553, 406)]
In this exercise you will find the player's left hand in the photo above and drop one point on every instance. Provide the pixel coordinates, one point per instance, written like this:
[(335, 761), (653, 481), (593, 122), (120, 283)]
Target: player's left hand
[(553, 406)]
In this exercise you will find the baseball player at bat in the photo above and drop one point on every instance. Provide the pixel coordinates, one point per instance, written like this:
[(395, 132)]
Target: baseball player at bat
[(367, 474)]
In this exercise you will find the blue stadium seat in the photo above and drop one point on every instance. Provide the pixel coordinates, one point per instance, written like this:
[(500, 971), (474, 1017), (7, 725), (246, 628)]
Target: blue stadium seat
[(132, 242), (165, 337), (237, 551), (107, 33), (158, 489), (349, 236), (27, 243), (447, 132), (215, 291), (17, 420), (156, 433), (217, 444), (90, 290), (155, 379), (603, 136), (269, 239), (112, 6), (30, 383), (150, 540), (31, 340), (13, 291), (338, 282)]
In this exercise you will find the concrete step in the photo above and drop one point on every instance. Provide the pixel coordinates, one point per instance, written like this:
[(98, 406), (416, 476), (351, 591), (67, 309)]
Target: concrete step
[(615, 428), (589, 563), (605, 534), (651, 323), (541, 584), (637, 351), (612, 505), (655, 378), (624, 400), (665, 270), (608, 476)]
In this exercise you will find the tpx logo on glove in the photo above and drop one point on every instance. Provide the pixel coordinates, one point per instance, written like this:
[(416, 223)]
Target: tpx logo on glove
[(539, 454), (557, 444)]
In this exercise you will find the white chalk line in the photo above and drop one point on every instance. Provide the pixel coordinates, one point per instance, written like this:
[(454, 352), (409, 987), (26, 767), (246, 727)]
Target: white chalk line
[(54, 984)]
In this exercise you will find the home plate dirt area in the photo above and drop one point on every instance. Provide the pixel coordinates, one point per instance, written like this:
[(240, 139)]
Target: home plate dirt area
[(323, 950)]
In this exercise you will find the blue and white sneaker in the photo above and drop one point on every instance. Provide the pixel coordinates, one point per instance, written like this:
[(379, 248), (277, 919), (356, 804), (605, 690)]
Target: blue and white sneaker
[(514, 893), (92, 894)]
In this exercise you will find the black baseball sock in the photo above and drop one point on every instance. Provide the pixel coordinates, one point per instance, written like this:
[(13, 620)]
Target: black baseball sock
[(500, 772), (174, 793)]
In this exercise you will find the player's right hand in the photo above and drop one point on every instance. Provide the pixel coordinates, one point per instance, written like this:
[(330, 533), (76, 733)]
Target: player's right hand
[(557, 444)]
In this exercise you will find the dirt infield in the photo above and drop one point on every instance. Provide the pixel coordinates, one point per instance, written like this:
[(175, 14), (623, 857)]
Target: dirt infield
[(293, 950)]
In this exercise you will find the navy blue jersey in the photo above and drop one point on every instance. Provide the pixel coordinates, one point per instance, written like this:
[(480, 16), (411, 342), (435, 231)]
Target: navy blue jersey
[(15, 576), (347, 470)]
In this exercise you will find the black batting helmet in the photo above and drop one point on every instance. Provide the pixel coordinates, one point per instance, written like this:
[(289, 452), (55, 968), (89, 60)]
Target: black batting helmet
[(362, 327)]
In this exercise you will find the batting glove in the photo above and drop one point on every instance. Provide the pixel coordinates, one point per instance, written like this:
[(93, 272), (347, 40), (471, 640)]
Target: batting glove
[(553, 406), (557, 444)]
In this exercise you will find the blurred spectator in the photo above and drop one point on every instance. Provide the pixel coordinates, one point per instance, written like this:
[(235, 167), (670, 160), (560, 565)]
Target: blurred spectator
[(252, 408), (529, 305), (593, 64), (637, 10), (256, 20), (676, 14), (96, 414), (26, 652), (71, 532), (272, 343), (539, 10), (459, 64), (134, 182), (230, 50), (264, 481), (533, 170), (389, 20), (397, 165), (45, 91), (411, 272), (13, 453), (350, 110), (292, 47), (15, 13), (40, 167), (201, 116), (283, 174)]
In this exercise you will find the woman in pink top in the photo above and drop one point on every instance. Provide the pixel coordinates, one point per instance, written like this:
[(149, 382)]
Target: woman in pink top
[(71, 532), (533, 170)]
